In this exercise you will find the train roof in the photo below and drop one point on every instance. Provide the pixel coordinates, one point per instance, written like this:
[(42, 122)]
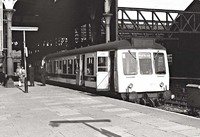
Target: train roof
[(140, 43)]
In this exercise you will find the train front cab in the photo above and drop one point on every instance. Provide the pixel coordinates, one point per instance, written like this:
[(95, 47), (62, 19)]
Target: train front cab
[(142, 74), (97, 70)]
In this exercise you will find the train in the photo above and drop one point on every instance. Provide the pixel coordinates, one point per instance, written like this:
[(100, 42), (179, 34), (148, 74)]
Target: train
[(136, 69)]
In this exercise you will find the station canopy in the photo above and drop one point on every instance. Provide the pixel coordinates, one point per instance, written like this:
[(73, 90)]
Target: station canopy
[(54, 16)]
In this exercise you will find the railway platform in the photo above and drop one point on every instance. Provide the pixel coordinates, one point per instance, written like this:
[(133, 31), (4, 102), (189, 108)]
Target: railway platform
[(51, 111)]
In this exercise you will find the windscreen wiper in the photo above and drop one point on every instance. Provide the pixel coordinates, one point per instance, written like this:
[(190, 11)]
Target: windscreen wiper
[(131, 54)]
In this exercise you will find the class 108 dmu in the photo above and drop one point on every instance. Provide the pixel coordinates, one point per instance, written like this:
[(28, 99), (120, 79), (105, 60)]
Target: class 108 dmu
[(136, 69)]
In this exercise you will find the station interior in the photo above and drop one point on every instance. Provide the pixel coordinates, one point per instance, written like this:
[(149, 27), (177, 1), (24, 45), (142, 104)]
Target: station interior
[(70, 24)]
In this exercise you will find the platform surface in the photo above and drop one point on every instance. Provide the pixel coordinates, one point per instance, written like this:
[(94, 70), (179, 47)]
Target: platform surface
[(51, 111)]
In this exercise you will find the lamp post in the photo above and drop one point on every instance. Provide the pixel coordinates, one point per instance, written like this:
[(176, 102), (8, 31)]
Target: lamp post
[(9, 4), (24, 29)]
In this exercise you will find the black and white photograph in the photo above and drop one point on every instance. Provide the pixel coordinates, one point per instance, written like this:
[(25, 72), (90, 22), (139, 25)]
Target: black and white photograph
[(99, 68)]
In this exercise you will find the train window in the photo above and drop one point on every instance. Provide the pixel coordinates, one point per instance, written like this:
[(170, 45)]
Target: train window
[(76, 65), (60, 65), (51, 64), (90, 66), (102, 64), (70, 66), (48, 66), (145, 63), (64, 66), (159, 63), (54, 66), (129, 63)]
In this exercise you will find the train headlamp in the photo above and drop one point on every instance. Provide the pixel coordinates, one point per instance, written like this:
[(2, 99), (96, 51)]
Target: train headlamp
[(162, 84), (130, 85), (172, 96)]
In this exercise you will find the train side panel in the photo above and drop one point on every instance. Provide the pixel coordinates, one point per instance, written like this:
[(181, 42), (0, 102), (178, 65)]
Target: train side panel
[(62, 69)]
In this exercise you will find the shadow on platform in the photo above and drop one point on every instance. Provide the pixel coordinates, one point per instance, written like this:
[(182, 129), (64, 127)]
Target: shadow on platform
[(85, 122)]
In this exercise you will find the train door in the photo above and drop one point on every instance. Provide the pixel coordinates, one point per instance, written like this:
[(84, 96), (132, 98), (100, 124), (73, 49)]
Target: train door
[(103, 71), (112, 71)]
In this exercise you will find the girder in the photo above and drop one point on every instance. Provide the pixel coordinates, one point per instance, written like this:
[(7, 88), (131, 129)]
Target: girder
[(132, 21)]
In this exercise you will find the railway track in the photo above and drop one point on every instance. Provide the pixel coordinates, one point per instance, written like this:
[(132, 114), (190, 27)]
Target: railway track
[(178, 106)]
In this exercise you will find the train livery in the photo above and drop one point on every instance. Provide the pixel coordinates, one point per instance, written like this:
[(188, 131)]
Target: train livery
[(136, 69)]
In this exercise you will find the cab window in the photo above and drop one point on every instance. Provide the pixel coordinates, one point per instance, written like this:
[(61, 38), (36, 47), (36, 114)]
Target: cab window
[(145, 63), (129, 63), (159, 63)]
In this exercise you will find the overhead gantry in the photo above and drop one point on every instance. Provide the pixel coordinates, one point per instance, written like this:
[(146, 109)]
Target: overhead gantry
[(156, 22)]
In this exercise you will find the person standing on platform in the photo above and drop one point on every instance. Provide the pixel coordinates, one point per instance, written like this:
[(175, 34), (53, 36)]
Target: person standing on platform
[(43, 75), (23, 75), (31, 75), (19, 73), (2, 76)]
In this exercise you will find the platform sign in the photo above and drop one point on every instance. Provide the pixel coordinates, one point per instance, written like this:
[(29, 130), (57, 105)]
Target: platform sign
[(1, 25)]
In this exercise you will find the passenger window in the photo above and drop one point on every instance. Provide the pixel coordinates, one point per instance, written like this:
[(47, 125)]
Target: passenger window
[(129, 63), (59, 70), (145, 63), (76, 65), (50, 66), (90, 66), (70, 66), (103, 64), (54, 66), (159, 63), (64, 66), (60, 65)]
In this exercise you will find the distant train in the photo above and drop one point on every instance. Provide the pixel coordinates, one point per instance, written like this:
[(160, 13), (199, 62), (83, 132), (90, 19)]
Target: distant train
[(135, 69)]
